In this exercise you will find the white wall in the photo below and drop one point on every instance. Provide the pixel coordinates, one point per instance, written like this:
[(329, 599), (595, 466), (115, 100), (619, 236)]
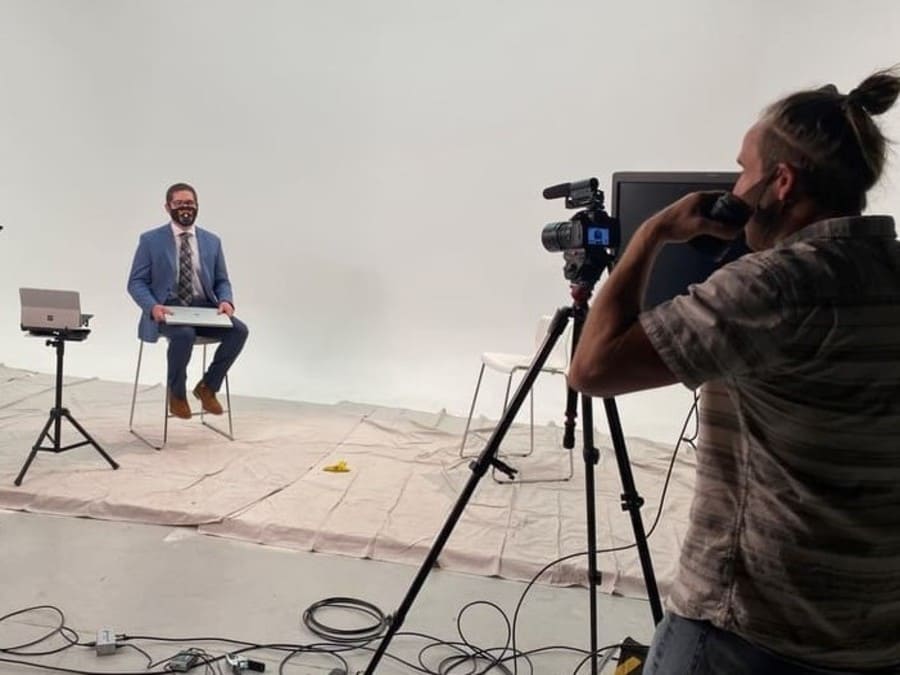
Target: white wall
[(374, 168)]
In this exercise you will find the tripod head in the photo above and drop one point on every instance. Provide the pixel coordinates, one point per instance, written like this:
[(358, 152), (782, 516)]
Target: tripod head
[(581, 293)]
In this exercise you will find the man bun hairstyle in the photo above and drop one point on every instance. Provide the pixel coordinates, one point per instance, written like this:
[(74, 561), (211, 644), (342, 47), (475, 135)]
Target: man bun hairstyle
[(877, 93), (832, 139)]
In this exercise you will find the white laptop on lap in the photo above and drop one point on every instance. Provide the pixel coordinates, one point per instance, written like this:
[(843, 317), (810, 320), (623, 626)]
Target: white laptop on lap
[(196, 316)]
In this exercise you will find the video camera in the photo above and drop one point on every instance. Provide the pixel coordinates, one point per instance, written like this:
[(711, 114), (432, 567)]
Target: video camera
[(590, 239)]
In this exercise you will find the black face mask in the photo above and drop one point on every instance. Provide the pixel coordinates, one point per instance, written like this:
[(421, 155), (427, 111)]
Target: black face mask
[(766, 215), (185, 215), (736, 212)]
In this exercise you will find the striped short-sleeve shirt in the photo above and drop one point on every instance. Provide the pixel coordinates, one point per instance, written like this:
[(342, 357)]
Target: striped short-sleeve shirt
[(794, 534)]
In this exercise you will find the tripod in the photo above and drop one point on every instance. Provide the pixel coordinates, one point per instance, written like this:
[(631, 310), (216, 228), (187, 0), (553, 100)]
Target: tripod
[(631, 501), (57, 412)]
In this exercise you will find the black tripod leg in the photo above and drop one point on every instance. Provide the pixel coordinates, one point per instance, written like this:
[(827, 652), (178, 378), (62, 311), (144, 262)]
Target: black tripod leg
[(632, 502), (479, 467), (28, 462), (571, 415), (56, 415), (90, 440), (591, 456), (37, 446), (579, 312)]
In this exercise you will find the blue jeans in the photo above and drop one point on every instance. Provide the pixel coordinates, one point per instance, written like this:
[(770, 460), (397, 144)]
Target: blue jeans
[(686, 647)]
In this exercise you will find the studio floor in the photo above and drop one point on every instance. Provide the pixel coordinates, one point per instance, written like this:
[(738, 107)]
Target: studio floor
[(211, 537)]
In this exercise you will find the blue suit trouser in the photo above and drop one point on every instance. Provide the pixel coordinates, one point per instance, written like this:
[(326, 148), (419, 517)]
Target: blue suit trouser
[(181, 346)]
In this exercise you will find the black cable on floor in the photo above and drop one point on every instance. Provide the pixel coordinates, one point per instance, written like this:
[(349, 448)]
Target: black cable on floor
[(380, 621), (342, 639), (471, 658), (625, 547), (315, 649), (59, 629), (59, 669)]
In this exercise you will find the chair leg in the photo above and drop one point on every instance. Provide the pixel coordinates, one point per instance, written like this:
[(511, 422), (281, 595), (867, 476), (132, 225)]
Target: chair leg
[(203, 414), (202, 373), (558, 479), (531, 403), (531, 421), (508, 387), (166, 417), (137, 376), (228, 406), (462, 446)]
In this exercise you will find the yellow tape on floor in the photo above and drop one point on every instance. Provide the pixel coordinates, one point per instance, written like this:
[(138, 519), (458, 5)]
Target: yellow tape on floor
[(628, 666)]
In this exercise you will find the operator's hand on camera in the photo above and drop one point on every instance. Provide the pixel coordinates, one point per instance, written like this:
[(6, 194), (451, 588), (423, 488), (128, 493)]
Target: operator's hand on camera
[(685, 219), (159, 313)]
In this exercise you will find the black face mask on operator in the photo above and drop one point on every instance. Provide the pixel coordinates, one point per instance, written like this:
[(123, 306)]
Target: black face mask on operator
[(736, 212), (766, 215)]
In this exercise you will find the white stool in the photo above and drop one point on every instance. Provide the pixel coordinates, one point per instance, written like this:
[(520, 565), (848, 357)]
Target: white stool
[(509, 364), (199, 341)]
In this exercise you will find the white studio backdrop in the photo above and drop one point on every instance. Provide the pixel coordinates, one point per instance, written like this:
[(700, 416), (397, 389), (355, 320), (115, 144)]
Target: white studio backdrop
[(375, 168)]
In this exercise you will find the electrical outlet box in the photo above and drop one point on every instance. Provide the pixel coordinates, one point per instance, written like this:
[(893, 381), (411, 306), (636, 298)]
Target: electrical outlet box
[(106, 642)]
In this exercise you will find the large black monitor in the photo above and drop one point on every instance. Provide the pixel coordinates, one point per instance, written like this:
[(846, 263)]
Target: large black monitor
[(637, 195)]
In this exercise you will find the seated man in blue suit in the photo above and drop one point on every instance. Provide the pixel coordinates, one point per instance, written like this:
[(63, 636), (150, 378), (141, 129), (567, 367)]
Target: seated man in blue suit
[(180, 264)]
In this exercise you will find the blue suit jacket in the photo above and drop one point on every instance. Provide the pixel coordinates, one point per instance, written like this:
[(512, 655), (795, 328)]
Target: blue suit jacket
[(154, 273)]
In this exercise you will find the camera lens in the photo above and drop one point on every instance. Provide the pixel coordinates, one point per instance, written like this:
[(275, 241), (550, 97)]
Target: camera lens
[(558, 236)]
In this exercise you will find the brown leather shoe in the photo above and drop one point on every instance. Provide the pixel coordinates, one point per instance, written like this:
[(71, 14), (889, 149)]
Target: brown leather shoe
[(179, 407), (208, 398)]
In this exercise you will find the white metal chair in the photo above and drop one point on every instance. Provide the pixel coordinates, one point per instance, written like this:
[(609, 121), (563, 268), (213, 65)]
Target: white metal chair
[(557, 363), (198, 342)]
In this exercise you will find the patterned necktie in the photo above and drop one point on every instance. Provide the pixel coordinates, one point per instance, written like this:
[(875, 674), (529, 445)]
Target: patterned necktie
[(185, 270)]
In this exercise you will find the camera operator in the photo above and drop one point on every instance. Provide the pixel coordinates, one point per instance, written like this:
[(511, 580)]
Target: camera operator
[(791, 563)]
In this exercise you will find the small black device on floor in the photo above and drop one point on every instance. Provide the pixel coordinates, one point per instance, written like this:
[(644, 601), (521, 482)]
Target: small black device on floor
[(183, 661), (632, 655)]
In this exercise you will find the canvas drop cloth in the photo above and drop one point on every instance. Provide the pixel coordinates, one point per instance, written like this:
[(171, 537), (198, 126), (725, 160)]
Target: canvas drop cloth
[(268, 486)]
